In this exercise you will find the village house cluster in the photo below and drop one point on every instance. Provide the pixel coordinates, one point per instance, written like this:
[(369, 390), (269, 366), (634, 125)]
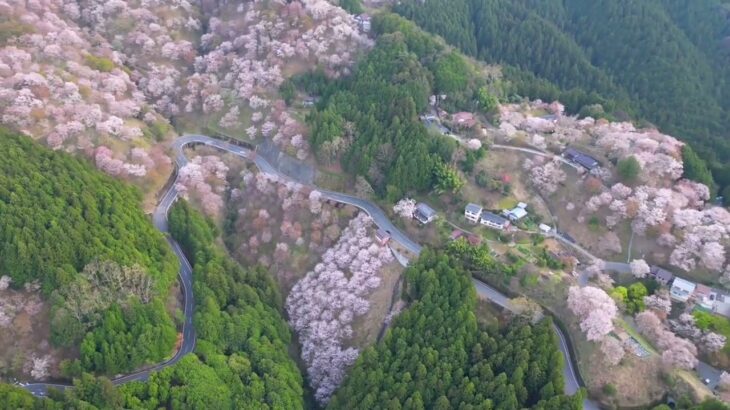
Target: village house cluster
[(682, 290), (477, 214)]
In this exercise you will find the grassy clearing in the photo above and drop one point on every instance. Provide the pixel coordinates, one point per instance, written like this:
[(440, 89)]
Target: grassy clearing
[(365, 328), (508, 202), (333, 180)]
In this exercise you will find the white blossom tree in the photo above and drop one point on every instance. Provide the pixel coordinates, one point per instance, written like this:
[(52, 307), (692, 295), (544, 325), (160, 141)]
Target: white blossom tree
[(595, 309), (323, 305), (639, 268), (405, 208)]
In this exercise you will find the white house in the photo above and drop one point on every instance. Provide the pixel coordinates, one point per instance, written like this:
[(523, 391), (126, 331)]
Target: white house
[(517, 213), (473, 212), (545, 229), (681, 289), (722, 303), (493, 220)]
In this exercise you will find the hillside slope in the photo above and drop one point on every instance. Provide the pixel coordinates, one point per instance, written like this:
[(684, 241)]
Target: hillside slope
[(675, 72), (81, 237)]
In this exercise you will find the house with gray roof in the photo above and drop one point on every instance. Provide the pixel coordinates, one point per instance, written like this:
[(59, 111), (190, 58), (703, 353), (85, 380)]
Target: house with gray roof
[(493, 220), (472, 212), (581, 158), (661, 275), (424, 213)]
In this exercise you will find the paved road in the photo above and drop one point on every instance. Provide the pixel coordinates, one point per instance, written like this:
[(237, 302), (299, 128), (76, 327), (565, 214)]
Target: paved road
[(381, 220), (532, 151)]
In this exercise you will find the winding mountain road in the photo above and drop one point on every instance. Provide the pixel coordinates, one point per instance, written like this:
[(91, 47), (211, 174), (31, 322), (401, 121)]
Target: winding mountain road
[(159, 218)]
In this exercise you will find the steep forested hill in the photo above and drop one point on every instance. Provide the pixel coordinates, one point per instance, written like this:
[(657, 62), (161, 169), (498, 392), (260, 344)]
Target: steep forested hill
[(370, 120), (57, 213), (437, 356), (241, 359), (83, 238), (662, 60)]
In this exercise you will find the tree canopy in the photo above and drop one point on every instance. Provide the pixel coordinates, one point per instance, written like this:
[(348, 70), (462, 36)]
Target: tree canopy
[(241, 359), (59, 216), (437, 356), (58, 213), (370, 120)]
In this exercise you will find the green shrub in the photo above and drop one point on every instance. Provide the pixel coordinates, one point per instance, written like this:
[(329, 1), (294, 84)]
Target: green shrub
[(99, 63)]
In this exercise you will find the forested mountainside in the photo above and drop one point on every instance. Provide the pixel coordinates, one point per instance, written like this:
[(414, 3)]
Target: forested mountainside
[(241, 359), (81, 237), (370, 120), (665, 61), (438, 356)]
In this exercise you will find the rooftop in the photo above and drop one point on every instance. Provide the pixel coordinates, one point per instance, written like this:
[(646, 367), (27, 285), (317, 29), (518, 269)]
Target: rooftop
[(518, 213), (702, 290), (683, 285), (493, 218), (581, 158), (661, 273), (473, 208), (425, 210)]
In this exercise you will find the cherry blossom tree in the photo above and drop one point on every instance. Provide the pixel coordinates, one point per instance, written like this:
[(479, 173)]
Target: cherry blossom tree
[(405, 208), (474, 144), (649, 324), (230, 119), (659, 302), (685, 326), (639, 268), (40, 367), (323, 305), (676, 351), (5, 281), (547, 177), (680, 353), (612, 350), (315, 202), (204, 177), (712, 342), (595, 309)]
